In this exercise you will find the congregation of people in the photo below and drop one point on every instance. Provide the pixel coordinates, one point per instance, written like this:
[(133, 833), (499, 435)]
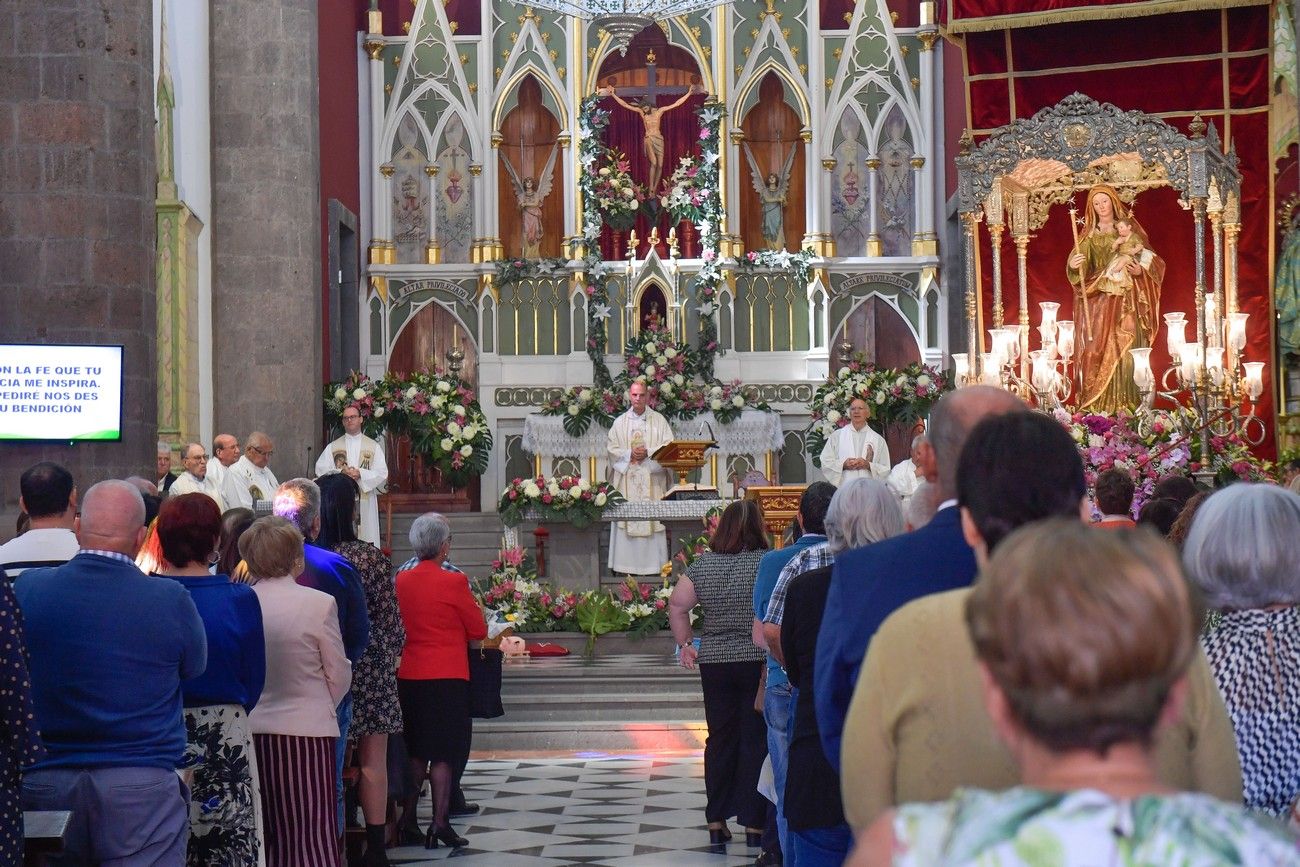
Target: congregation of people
[(996, 665), (188, 681), (974, 659)]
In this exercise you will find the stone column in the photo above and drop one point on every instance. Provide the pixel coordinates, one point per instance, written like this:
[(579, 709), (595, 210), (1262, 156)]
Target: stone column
[(266, 212), (77, 210)]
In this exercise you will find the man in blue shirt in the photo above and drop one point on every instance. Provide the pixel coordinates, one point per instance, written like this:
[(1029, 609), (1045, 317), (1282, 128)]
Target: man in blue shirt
[(298, 500), (109, 648), (777, 709)]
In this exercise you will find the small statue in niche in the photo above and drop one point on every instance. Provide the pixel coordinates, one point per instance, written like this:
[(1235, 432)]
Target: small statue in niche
[(530, 194), (772, 192)]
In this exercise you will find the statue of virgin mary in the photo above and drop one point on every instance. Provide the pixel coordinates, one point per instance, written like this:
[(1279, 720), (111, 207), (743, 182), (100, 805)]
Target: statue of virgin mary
[(1121, 279)]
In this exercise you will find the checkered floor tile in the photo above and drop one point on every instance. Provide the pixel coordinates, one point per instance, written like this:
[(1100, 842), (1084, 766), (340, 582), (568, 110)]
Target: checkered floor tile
[(630, 811)]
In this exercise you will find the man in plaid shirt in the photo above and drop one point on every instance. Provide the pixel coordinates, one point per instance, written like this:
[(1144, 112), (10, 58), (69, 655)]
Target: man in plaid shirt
[(814, 557)]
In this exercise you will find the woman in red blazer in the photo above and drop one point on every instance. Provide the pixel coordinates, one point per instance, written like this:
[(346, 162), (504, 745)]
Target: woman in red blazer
[(441, 618)]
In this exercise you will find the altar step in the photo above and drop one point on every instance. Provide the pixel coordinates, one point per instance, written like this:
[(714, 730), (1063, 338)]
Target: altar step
[(476, 539), (615, 702)]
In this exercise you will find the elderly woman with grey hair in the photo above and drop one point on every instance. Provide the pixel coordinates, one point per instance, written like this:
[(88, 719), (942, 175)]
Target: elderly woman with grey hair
[(862, 512), (441, 618), (1243, 552)]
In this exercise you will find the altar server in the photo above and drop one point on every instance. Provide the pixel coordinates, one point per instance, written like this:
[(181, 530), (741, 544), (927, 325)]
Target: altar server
[(249, 478), (356, 455), (195, 478), (638, 547), (855, 451)]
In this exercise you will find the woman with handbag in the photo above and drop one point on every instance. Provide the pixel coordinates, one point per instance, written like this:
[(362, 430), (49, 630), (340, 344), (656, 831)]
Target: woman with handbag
[(441, 618), (722, 581)]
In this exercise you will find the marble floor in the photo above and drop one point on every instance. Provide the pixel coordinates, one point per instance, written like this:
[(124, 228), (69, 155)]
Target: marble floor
[(626, 810)]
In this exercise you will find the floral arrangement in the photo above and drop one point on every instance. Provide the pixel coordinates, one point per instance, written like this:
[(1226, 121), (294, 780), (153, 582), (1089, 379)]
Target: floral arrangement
[(683, 196), (582, 405), (560, 498), (691, 547), (439, 411), (728, 400), (709, 226), (373, 399), (1154, 447), (618, 198), (799, 264), (513, 594), (895, 396), (646, 605), (510, 271)]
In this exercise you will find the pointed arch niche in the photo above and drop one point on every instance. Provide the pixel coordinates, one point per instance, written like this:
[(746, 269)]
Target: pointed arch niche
[(771, 128), (883, 336), (528, 132)]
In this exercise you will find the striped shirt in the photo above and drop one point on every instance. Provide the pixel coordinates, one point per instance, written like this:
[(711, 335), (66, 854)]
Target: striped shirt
[(814, 557)]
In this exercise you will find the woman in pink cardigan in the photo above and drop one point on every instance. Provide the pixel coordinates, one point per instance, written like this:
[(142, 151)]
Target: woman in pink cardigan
[(294, 724)]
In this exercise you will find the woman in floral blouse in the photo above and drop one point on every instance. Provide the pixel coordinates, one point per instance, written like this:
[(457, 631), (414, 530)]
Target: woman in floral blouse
[(376, 712)]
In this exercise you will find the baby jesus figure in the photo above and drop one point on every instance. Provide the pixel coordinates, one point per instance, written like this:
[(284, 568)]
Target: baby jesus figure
[(1128, 250)]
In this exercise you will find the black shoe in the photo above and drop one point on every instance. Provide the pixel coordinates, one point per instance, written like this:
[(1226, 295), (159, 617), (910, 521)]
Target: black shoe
[(718, 838), (409, 835), (446, 836), (768, 858), (754, 839), (375, 857), (464, 810)]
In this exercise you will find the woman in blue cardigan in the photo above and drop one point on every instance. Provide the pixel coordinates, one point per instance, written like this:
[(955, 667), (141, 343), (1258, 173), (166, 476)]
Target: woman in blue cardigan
[(225, 813)]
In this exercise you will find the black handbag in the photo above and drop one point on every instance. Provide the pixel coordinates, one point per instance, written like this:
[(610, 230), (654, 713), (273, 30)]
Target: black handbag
[(485, 683)]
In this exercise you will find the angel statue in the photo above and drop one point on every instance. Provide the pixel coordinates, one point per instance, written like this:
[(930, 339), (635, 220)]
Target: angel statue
[(772, 194), (530, 194)]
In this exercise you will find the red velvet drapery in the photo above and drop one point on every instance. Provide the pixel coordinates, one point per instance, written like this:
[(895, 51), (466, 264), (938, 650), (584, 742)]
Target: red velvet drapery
[(1212, 63)]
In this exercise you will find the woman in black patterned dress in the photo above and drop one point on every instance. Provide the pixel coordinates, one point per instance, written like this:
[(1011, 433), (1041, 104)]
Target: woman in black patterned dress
[(722, 581), (20, 744), (376, 713)]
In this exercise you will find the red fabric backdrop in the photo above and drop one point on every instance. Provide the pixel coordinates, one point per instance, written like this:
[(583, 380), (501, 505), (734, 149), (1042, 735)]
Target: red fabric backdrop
[(626, 132), (1212, 63)]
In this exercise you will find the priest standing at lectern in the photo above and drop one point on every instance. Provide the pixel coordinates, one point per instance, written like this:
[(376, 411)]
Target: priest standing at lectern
[(356, 455), (638, 547), (855, 451)]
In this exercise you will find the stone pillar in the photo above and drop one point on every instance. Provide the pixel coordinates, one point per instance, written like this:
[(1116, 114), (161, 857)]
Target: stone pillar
[(77, 210), (266, 213)]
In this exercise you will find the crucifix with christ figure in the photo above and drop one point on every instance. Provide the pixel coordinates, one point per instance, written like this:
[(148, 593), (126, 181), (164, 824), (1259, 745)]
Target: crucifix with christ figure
[(651, 114)]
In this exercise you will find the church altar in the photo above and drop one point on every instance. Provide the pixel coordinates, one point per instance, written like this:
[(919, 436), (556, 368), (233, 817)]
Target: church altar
[(755, 434), (575, 557)]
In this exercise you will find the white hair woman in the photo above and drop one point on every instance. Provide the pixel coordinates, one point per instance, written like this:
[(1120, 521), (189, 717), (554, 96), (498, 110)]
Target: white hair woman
[(862, 512), (441, 618), (1243, 551)]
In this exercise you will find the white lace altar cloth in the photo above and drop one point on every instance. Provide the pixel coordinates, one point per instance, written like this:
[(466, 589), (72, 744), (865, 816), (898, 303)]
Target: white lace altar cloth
[(754, 433)]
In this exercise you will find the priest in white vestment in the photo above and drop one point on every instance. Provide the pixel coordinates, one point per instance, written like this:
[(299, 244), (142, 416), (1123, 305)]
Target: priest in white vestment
[(195, 478), (904, 479), (638, 547), (249, 478), (855, 451), (225, 452), (356, 455)]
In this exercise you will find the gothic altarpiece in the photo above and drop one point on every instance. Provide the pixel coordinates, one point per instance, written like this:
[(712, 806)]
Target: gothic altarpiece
[(818, 123)]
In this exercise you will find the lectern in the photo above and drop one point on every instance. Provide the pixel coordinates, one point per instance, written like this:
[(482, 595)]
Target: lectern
[(683, 456)]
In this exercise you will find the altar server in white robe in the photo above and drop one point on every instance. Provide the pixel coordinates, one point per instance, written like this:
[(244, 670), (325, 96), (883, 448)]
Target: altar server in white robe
[(903, 479), (195, 478), (357, 455), (249, 478), (855, 451), (638, 547)]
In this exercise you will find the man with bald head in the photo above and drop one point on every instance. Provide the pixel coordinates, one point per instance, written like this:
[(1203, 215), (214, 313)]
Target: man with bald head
[(225, 451), (250, 479), (109, 648), (195, 479), (868, 584)]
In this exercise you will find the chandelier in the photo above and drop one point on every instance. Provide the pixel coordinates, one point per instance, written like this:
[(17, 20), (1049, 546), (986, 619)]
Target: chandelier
[(623, 19)]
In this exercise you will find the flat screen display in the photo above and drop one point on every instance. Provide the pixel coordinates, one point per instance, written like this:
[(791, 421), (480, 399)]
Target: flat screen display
[(60, 393)]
